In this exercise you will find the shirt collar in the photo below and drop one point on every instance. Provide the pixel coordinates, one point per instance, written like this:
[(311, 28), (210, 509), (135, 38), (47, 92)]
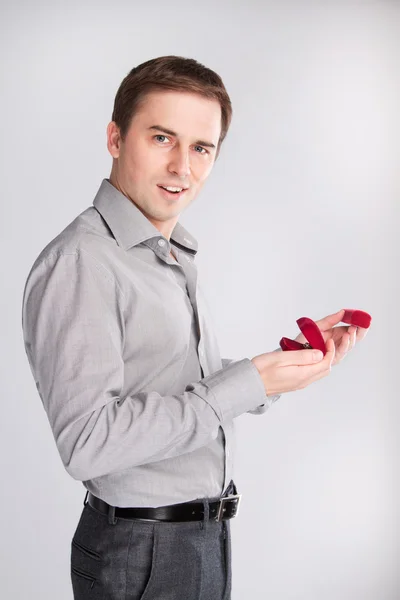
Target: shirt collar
[(128, 224)]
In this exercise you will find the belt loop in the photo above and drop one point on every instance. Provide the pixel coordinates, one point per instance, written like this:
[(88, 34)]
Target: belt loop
[(206, 515), (112, 519), (85, 500)]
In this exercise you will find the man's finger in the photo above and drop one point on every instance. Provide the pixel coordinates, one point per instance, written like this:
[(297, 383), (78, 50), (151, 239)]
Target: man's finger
[(330, 320), (361, 333), (321, 368), (301, 357), (330, 352), (343, 348)]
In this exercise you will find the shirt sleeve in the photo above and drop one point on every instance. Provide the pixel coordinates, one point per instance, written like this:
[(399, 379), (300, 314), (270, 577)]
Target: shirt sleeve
[(73, 328), (268, 400)]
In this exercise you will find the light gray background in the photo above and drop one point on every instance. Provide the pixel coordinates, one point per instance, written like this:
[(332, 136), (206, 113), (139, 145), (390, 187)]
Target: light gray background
[(301, 210)]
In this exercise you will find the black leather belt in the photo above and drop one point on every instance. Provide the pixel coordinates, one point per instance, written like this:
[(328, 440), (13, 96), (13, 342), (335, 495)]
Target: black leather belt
[(220, 510)]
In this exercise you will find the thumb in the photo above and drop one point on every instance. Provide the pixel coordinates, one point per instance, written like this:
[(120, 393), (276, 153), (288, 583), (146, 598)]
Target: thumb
[(301, 357)]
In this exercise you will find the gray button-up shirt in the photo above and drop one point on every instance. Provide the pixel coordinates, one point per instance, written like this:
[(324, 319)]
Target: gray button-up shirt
[(121, 346)]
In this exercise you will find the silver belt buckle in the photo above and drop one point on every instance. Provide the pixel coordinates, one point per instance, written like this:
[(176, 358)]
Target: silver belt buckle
[(221, 508)]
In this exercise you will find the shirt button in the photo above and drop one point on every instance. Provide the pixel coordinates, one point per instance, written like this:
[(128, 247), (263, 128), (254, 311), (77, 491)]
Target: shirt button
[(161, 242)]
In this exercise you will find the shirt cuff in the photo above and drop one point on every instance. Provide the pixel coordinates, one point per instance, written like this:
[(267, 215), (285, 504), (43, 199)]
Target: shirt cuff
[(260, 410), (238, 388)]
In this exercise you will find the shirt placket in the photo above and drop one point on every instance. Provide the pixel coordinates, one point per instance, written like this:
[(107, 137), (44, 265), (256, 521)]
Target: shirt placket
[(191, 278)]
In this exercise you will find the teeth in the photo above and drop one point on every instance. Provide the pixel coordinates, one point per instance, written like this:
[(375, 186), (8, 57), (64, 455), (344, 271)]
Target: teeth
[(173, 189)]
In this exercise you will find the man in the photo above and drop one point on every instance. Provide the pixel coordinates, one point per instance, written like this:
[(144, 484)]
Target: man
[(127, 365)]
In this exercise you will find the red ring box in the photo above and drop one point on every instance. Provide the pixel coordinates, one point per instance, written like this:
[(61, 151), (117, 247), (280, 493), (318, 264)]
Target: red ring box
[(314, 338)]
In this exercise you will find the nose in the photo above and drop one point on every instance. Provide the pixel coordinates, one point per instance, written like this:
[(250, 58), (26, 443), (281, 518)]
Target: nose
[(179, 164)]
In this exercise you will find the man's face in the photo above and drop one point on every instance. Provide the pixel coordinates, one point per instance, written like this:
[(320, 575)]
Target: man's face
[(169, 143)]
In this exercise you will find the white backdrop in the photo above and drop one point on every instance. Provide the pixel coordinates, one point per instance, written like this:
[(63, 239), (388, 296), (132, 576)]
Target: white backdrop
[(305, 189)]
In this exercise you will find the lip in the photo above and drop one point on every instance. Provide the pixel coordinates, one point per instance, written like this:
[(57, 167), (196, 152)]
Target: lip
[(171, 195)]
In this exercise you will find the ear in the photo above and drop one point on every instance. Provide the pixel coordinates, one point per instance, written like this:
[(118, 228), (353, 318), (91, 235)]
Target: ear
[(113, 139)]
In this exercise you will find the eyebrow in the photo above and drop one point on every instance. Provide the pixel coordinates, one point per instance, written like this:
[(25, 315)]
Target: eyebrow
[(169, 132)]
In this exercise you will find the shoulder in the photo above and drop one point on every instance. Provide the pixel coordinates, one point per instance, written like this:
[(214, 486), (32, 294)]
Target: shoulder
[(87, 239)]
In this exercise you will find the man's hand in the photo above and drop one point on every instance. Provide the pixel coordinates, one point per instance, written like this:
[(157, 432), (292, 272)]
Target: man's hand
[(344, 337), (289, 371)]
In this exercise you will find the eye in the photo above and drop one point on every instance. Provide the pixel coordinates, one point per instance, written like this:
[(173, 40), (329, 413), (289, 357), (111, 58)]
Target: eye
[(160, 136), (201, 148)]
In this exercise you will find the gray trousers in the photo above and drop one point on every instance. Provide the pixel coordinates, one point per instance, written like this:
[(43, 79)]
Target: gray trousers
[(151, 560)]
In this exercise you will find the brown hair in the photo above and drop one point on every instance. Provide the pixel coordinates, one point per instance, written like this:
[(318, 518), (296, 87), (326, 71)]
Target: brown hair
[(169, 73)]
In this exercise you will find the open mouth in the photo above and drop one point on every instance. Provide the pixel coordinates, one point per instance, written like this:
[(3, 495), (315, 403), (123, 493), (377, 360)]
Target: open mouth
[(172, 192)]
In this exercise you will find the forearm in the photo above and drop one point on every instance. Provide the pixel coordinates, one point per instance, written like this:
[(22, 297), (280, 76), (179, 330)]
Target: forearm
[(74, 336), (148, 427)]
